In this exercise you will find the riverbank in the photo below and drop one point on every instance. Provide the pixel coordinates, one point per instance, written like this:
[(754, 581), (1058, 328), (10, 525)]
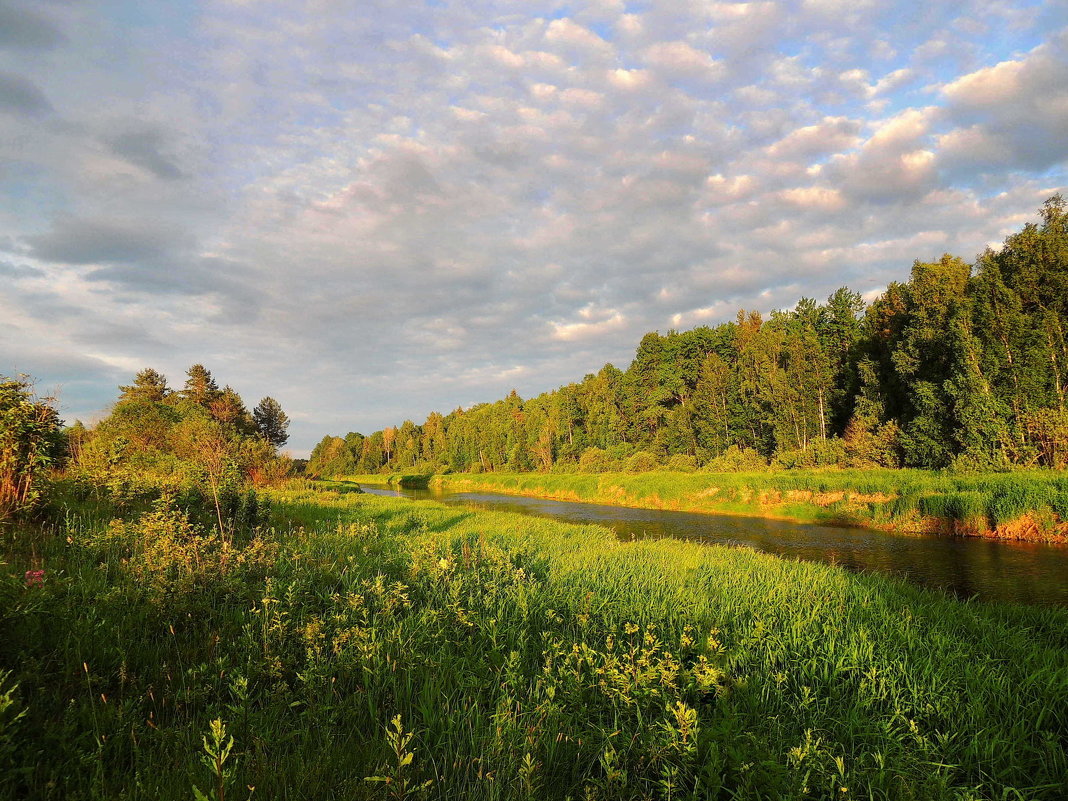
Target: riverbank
[(525, 658), (1027, 506)]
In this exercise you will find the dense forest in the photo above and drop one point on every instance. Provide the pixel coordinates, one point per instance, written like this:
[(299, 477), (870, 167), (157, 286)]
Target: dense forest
[(965, 366)]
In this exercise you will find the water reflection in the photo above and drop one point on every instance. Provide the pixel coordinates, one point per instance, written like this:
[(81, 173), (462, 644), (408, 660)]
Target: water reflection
[(1032, 573)]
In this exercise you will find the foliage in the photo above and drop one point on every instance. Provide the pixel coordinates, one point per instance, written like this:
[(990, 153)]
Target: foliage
[(199, 436), (736, 459), (271, 422), (29, 443)]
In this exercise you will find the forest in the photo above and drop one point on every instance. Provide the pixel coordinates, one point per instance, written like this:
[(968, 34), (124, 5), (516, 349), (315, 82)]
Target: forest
[(964, 366)]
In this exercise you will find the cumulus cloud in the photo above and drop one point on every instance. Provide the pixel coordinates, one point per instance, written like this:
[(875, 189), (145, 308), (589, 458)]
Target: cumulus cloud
[(369, 216), (1011, 114), (831, 135), (681, 59)]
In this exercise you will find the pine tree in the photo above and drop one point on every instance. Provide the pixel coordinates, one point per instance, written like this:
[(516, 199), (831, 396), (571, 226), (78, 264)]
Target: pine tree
[(148, 386), (200, 386), (271, 422)]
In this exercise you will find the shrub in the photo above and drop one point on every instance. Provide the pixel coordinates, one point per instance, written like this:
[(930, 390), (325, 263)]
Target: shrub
[(642, 462), (29, 443), (820, 453), (869, 445), (1047, 432), (682, 463), (737, 460), (596, 460)]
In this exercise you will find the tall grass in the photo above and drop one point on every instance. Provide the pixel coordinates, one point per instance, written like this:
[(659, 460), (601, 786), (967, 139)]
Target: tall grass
[(909, 500), (368, 647)]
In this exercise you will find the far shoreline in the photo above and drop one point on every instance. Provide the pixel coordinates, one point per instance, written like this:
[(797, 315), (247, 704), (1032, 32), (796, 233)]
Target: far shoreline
[(894, 501)]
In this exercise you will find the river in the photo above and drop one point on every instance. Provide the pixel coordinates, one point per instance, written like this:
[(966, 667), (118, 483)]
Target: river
[(1024, 572)]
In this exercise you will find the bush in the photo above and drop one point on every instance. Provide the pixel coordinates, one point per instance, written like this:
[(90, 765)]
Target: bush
[(1047, 432), (682, 463), (642, 462), (29, 443), (821, 453), (596, 460), (869, 445), (737, 460)]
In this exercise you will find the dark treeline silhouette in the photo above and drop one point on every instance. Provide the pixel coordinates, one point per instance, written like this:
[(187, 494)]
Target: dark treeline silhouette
[(963, 366)]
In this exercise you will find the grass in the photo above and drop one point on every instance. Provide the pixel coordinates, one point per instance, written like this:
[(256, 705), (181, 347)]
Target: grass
[(1026, 504), (368, 647)]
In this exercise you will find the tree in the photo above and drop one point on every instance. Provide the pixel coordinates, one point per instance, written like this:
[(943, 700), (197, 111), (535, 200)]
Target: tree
[(229, 409), (979, 421), (271, 422), (29, 441), (923, 359), (148, 386), (200, 387)]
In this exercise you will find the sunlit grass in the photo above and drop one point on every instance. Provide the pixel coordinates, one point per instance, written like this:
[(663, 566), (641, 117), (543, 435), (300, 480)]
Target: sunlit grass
[(365, 644)]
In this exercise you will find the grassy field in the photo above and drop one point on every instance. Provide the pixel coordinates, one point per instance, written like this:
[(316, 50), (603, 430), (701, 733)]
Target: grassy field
[(1021, 505), (366, 647)]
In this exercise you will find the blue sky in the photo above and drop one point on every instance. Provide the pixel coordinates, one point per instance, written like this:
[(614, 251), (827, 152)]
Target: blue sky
[(372, 210)]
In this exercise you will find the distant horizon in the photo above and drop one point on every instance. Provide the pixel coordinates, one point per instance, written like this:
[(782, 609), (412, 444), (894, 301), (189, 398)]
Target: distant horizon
[(422, 206)]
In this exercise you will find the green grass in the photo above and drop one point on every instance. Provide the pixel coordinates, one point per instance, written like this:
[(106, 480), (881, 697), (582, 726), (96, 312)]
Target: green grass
[(527, 658), (907, 500)]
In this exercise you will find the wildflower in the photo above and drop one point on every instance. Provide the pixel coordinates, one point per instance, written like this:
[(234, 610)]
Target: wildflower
[(35, 578)]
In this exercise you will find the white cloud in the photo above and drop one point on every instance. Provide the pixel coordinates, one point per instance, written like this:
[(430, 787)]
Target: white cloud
[(593, 323), (1011, 114), (680, 59), (831, 135)]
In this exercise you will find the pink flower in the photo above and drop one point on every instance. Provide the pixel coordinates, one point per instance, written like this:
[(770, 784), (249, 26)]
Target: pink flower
[(35, 578)]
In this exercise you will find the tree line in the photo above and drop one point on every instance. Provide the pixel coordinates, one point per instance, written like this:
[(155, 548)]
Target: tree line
[(153, 438), (963, 366)]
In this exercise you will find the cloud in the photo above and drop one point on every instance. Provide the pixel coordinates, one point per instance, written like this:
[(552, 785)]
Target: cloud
[(19, 95), (592, 323), (97, 241), (1012, 114), (16, 271), (680, 59), (26, 29), (831, 135), (369, 216), (575, 38), (145, 147), (894, 164)]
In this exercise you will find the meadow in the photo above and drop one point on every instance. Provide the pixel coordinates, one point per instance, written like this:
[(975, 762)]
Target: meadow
[(1016, 505), (349, 646)]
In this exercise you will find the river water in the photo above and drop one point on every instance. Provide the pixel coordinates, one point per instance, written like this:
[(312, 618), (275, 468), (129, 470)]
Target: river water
[(1024, 572)]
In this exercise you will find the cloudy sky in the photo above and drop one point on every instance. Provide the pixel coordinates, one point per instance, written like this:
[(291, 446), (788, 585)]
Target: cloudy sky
[(376, 208)]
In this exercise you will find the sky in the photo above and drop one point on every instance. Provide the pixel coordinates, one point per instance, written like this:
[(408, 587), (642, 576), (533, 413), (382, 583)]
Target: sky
[(372, 210)]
